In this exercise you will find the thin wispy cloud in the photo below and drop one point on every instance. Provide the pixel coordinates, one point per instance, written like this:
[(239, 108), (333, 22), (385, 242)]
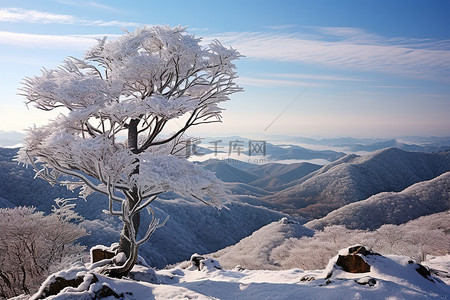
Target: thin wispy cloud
[(348, 33), (47, 41), (271, 82), (359, 36), (96, 5), (314, 77), (281, 27), (104, 7), (33, 16), (339, 47), (412, 58), (388, 86), (198, 28), (16, 15)]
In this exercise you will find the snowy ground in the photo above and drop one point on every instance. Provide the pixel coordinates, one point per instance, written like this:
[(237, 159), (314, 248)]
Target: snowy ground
[(390, 277), (440, 265)]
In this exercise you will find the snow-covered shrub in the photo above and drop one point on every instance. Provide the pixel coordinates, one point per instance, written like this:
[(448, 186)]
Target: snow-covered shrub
[(273, 247), (256, 251), (33, 245), (309, 253)]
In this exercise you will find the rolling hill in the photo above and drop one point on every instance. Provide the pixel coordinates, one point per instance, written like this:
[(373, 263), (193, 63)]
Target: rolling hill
[(259, 180), (354, 178)]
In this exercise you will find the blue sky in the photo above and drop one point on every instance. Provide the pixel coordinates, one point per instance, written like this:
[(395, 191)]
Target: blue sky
[(311, 68)]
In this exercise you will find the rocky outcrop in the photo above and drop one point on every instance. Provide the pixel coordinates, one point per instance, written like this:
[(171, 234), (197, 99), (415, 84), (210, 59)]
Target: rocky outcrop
[(354, 262), (56, 284)]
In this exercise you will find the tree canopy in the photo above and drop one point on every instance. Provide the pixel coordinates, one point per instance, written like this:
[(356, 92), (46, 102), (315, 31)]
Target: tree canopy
[(115, 105)]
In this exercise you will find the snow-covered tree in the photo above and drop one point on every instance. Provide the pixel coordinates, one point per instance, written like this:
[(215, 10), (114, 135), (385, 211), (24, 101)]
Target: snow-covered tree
[(33, 245), (117, 104)]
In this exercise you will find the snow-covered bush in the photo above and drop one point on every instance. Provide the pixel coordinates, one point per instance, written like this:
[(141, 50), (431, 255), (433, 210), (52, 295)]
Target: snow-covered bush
[(410, 239), (274, 247), (34, 245)]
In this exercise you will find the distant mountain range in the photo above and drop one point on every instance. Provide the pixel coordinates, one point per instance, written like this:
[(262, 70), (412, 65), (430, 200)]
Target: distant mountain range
[(10, 138), (310, 191), (409, 143), (290, 152), (433, 147)]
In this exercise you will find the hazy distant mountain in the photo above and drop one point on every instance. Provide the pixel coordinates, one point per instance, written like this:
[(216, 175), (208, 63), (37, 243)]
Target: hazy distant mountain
[(10, 138), (374, 146), (275, 177), (333, 142), (429, 140), (355, 178), (288, 152), (435, 147), (259, 180), (420, 199), (350, 144), (266, 149), (228, 173)]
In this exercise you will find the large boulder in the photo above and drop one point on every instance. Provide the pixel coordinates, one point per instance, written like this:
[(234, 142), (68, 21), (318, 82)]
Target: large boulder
[(353, 261)]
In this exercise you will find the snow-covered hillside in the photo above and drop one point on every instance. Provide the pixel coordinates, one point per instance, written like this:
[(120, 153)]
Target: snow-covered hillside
[(192, 227), (195, 227), (254, 251), (354, 178), (420, 199), (285, 244)]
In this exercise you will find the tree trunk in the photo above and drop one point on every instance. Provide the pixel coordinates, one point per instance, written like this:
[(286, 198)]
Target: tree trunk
[(128, 248), (125, 246)]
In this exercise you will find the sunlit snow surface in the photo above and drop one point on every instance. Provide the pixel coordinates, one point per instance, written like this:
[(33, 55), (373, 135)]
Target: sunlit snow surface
[(395, 278)]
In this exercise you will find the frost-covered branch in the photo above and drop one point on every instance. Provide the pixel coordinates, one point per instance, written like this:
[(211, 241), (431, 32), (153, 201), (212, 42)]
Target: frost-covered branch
[(154, 224)]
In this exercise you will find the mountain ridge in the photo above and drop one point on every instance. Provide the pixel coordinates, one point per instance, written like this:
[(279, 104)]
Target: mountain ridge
[(354, 178), (420, 199)]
